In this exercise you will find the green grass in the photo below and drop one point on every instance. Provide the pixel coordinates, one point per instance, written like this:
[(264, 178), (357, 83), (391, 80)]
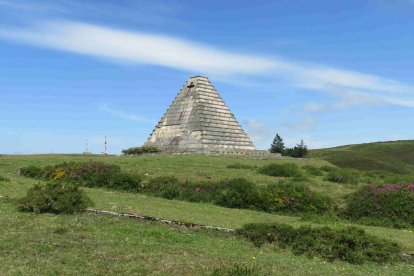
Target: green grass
[(397, 156), (89, 244), (96, 245), (192, 168), (196, 167)]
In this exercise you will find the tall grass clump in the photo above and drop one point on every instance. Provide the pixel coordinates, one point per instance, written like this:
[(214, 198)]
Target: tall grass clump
[(283, 170), (312, 170), (344, 176), (237, 270), (387, 204), (54, 197), (349, 244)]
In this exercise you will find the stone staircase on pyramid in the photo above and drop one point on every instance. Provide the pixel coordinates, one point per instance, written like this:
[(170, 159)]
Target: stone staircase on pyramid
[(198, 121)]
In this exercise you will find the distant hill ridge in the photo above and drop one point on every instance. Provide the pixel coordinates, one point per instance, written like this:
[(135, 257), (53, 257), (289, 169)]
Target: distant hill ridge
[(392, 156)]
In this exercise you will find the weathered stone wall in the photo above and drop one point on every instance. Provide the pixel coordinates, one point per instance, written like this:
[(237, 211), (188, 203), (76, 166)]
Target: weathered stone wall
[(198, 121)]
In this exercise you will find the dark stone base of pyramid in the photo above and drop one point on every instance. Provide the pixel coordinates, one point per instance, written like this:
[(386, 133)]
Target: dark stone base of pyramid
[(209, 152)]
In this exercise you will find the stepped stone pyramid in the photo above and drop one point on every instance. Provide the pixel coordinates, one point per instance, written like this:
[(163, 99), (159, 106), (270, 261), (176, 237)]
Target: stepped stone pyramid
[(198, 121)]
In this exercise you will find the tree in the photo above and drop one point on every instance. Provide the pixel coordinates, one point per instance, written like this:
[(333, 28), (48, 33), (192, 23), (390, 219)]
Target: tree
[(277, 146), (300, 150)]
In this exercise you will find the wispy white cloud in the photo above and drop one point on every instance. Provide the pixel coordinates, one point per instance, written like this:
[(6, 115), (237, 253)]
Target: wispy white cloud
[(124, 115), (304, 124), (350, 87), (135, 47), (314, 107)]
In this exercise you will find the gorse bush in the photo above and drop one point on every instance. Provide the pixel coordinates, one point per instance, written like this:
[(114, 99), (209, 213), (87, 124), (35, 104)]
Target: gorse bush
[(291, 197), (126, 182), (164, 186), (54, 197), (31, 171), (389, 203), (345, 176), (284, 170), (240, 166), (200, 191), (89, 174), (239, 193), (233, 193), (327, 168), (4, 179), (349, 244), (140, 150)]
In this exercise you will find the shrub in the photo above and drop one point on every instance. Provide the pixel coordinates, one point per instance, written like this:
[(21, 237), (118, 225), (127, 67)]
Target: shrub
[(312, 170), (93, 174), (54, 197), (349, 244), (164, 186), (390, 203), (345, 176), (141, 150), (4, 179), (126, 182), (31, 171), (293, 197), (90, 174), (240, 166), (201, 191), (285, 170), (239, 193), (327, 168)]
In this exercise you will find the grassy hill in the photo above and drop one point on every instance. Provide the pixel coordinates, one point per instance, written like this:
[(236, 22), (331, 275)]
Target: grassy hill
[(47, 244), (395, 156)]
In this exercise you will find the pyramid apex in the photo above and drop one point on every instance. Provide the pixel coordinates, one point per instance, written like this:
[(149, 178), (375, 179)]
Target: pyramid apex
[(198, 76)]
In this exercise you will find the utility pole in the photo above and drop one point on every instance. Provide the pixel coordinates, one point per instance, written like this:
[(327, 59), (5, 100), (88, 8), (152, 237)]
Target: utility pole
[(87, 148)]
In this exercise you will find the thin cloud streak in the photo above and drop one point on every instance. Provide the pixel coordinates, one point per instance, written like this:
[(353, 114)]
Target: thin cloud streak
[(135, 47), (145, 48), (123, 115)]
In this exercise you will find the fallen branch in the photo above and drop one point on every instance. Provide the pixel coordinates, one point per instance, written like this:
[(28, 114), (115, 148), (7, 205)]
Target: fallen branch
[(162, 221)]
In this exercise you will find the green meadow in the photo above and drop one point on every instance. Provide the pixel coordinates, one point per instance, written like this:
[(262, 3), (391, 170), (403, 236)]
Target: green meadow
[(46, 244)]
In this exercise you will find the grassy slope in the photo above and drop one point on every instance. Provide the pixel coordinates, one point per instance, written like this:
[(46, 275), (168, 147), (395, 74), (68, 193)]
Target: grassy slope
[(397, 156), (94, 245)]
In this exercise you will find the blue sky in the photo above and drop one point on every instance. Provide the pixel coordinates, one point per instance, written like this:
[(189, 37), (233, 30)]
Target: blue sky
[(328, 72)]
